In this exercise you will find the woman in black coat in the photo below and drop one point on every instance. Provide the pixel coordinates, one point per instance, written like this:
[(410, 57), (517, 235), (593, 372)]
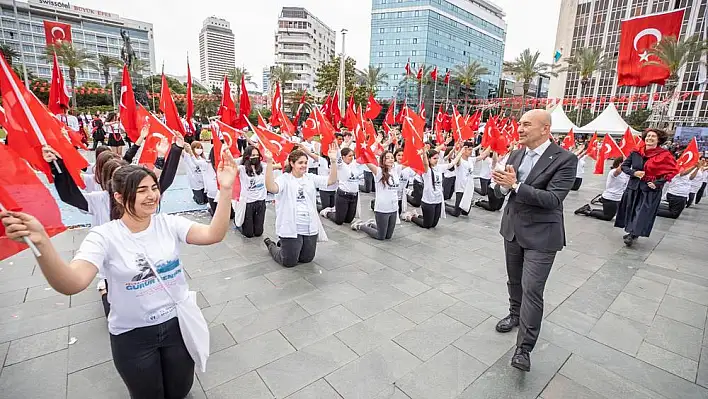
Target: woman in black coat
[(649, 168)]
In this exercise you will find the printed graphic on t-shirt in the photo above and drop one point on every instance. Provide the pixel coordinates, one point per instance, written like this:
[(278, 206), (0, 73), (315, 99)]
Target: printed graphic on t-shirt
[(300, 194), (436, 181), (145, 278), (352, 177), (254, 184)]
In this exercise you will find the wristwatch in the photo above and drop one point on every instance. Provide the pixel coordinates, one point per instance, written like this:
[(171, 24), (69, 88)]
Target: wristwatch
[(515, 186)]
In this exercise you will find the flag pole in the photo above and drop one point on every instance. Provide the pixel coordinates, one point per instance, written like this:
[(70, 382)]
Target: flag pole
[(435, 90), (342, 75), (447, 95), (26, 239), (420, 92)]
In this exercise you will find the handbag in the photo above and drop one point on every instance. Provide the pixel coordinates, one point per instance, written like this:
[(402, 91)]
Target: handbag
[(192, 325), (239, 208)]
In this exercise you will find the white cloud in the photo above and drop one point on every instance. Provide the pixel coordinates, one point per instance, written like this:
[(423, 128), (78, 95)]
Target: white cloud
[(531, 23)]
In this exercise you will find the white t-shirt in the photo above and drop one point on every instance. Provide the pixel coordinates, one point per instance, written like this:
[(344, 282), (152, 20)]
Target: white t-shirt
[(194, 175), (208, 177), (485, 168), (323, 170), (463, 172), (697, 182), (313, 147), (680, 185), (387, 195), (615, 186), (252, 187), (432, 185), (581, 167), (348, 176), (295, 196), (90, 181), (99, 207), (137, 298), (406, 175)]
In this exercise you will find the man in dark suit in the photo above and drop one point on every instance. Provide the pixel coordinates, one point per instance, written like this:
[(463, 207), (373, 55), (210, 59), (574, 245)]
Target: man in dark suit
[(537, 179)]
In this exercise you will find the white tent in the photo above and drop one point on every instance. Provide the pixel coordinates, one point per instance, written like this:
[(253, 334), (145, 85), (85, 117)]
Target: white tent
[(560, 122), (609, 121)]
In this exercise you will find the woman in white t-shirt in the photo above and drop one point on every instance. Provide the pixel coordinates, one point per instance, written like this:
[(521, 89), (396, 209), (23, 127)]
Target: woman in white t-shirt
[(677, 194), (114, 133), (696, 184), (327, 194), (611, 197), (194, 174), (253, 192), (345, 202), (146, 341), (296, 221), (386, 207), (432, 200), (704, 165), (580, 171)]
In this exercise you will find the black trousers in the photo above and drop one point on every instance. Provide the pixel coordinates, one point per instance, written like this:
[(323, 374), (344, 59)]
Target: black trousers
[(326, 199), (96, 143), (609, 210), (527, 270), (674, 209), (492, 204), (241, 143), (385, 224), (691, 197), (430, 217), (700, 192), (576, 185), (448, 187), (212, 207), (253, 219), (345, 207), (368, 185), (456, 210), (483, 186), (199, 196), (153, 361), (291, 251), (416, 196)]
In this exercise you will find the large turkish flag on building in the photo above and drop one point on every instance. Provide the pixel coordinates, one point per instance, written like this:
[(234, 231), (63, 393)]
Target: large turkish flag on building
[(638, 35), (56, 32)]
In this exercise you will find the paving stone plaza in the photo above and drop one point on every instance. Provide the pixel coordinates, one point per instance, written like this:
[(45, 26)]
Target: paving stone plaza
[(409, 318)]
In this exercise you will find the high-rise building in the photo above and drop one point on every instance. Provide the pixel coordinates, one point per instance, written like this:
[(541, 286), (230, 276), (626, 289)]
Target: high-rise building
[(302, 44), (266, 79), (217, 54), (596, 24), (94, 31), (442, 33)]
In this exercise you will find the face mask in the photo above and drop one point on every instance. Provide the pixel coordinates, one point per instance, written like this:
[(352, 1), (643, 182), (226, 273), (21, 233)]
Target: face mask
[(198, 151)]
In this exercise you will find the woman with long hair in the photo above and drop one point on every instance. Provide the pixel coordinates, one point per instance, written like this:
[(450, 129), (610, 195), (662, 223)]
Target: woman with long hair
[(297, 224), (97, 132), (253, 192), (327, 194), (614, 189), (649, 168), (432, 200), (138, 253), (387, 180), (347, 198), (115, 136)]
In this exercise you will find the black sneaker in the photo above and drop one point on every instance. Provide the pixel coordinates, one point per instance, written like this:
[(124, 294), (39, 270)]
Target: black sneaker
[(583, 210), (268, 242), (629, 241)]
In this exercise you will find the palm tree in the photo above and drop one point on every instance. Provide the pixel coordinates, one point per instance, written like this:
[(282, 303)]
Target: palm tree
[(674, 55), (72, 58), (105, 63), (526, 67), (585, 62), (373, 78), (281, 74), (9, 53), (235, 76), (468, 76)]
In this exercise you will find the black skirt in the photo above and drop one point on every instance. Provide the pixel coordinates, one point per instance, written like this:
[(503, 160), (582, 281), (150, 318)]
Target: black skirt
[(637, 211), (115, 140)]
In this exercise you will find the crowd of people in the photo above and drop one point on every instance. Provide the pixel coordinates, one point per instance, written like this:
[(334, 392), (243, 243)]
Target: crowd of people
[(134, 249)]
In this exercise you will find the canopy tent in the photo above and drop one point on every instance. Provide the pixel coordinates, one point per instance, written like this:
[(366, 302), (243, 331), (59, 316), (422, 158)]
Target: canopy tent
[(560, 122), (608, 122)]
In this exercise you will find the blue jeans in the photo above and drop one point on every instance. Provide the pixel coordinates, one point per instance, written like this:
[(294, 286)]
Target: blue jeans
[(153, 361)]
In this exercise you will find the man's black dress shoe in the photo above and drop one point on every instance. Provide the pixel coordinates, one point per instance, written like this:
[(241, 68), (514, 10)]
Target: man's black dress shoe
[(521, 360), (507, 324)]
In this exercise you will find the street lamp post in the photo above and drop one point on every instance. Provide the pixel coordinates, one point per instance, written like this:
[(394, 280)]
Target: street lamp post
[(342, 74), (19, 38)]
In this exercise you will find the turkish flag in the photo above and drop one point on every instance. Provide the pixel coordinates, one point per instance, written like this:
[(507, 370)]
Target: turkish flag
[(569, 140), (638, 35), (390, 118), (439, 122), (609, 150), (190, 101), (56, 32), (58, 96), (311, 128), (244, 106), (362, 151), (158, 131), (227, 109), (230, 135), (335, 111), (462, 130), (434, 74), (411, 157), (447, 77), (286, 127), (21, 190), (373, 108), (628, 143), (689, 157), (593, 146), (128, 110), (325, 129), (169, 108), (299, 108), (277, 145), (408, 68), (420, 73), (276, 106)]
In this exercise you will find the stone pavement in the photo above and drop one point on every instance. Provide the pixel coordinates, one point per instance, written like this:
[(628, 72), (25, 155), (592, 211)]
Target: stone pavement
[(409, 318)]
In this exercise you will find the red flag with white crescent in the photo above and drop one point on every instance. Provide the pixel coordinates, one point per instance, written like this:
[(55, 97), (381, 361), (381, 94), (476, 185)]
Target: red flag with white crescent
[(128, 111), (190, 101), (627, 144), (56, 32), (157, 131), (276, 106), (169, 108), (690, 156), (58, 95), (227, 109), (373, 108)]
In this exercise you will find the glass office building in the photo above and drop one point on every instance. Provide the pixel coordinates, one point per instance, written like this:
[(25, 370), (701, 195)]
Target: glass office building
[(442, 33), (96, 32)]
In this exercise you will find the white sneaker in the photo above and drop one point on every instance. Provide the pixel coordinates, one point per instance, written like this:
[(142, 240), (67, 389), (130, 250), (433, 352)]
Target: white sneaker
[(356, 223), (370, 222), (324, 212)]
